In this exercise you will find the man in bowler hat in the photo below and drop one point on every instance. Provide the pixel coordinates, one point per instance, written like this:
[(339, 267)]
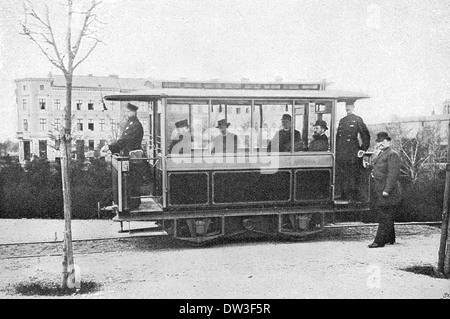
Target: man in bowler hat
[(129, 141), (348, 164), (225, 142), (386, 191), (183, 143), (320, 140), (281, 141)]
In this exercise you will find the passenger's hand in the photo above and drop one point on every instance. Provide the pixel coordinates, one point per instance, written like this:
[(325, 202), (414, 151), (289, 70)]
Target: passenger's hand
[(385, 194)]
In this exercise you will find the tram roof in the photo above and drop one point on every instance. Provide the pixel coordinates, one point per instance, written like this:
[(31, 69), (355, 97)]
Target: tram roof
[(157, 93)]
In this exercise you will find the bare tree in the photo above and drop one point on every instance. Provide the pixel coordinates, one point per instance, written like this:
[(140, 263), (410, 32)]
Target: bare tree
[(420, 152), (66, 53)]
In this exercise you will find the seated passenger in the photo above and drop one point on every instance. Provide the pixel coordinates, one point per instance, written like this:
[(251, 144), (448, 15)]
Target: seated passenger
[(226, 142), (320, 140), (183, 142), (281, 141)]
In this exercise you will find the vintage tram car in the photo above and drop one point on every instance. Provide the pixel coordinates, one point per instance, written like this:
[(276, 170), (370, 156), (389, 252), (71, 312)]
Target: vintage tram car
[(198, 195)]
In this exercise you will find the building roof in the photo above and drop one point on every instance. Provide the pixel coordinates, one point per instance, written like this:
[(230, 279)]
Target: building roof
[(90, 81)]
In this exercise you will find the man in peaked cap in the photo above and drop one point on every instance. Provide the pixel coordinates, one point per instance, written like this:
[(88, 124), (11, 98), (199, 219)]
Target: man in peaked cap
[(183, 141), (225, 142), (132, 134), (348, 164), (386, 189), (129, 141), (281, 141), (320, 140)]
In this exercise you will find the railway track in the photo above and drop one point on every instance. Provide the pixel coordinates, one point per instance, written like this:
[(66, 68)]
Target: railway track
[(137, 240)]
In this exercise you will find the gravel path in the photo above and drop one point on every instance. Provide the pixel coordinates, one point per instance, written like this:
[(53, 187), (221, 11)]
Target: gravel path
[(337, 264)]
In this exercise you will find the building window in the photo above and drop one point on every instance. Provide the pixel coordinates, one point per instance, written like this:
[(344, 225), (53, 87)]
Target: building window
[(91, 145), (24, 104), (24, 87), (79, 124), (41, 87), (57, 124), (42, 104), (102, 124), (25, 125), (111, 105), (91, 125), (79, 102), (90, 105), (43, 124), (57, 105)]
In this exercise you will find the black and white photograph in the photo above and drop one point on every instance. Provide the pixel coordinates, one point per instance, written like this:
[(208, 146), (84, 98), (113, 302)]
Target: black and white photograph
[(224, 155)]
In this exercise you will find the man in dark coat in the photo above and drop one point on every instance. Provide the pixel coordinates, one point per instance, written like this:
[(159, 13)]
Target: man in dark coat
[(348, 164), (386, 192), (320, 140), (183, 143), (129, 141), (225, 142), (281, 141), (132, 134)]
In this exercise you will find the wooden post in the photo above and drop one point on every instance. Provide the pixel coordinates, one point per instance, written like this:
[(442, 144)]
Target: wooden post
[(444, 248)]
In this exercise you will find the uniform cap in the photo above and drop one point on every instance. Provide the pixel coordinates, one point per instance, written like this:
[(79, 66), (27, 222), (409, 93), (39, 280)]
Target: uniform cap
[(132, 107), (182, 123)]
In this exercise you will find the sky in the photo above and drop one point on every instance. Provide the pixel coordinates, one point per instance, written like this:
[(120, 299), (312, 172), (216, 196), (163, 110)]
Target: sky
[(397, 52)]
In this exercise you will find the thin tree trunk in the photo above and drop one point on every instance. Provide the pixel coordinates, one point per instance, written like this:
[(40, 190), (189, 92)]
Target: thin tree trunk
[(444, 248), (68, 263), (66, 140)]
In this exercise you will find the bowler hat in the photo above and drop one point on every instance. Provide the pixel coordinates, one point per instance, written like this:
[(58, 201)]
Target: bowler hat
[(182, 123), (286, 117), (132, 107), (383, 136), (321, 123), (222, 122)]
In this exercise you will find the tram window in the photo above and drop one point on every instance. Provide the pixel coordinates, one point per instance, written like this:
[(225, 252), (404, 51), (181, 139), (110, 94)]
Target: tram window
[(319, 113), (268, 125), (196, 115)]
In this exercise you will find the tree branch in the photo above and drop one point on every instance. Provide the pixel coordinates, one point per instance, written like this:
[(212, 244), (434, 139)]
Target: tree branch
[(88, 19), (87, 54)]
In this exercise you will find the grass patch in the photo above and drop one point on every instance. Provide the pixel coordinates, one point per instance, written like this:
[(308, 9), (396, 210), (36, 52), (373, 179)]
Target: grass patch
[(426, 270), (53, 289)]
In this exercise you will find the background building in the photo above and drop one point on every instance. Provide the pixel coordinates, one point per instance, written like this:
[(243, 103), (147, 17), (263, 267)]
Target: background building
[(40, 113)]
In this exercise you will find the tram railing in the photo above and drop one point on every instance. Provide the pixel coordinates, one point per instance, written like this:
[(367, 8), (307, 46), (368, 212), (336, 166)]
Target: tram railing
[(133, 179)]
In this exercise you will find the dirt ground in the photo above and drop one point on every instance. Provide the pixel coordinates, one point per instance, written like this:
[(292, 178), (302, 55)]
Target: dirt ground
[(337, 264)]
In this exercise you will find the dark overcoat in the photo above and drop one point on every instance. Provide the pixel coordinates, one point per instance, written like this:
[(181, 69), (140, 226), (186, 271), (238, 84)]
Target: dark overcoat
[(347, 143), (131, 138), (281, 142), (385, 178), (319, 143)]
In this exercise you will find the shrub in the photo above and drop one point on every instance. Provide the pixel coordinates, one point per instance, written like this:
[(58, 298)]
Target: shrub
[(35, 191)]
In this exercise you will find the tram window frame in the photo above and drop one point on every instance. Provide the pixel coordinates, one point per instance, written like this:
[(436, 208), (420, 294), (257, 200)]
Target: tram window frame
[(228, 109), (189, 105), (302, 122), (326, 114)]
